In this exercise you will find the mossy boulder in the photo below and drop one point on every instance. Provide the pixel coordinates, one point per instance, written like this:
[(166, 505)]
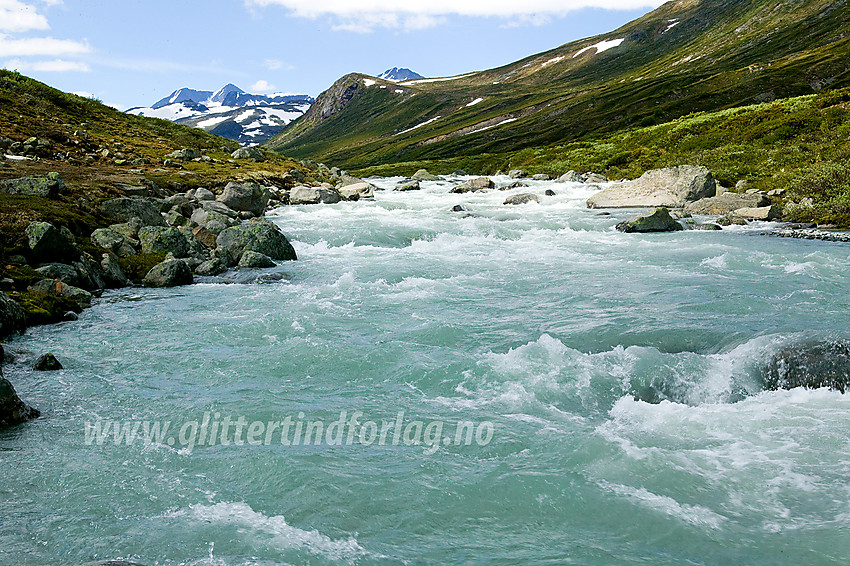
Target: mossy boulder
[(258, 235), (137, 266), (424, 175), (169, 273), (126, 208), (255, 260), (156, 239), (47, 243), (658, 220), (12, 316)]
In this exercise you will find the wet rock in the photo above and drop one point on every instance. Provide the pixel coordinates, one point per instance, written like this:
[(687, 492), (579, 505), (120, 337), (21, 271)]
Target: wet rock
[(549, 193), (458, 208), (50, 244), (304, 195), (514, 185), (731, 220), (55, 288), (708, 226), (13, 411), (726, 203), (594, 178), (47, 362), (258, 235), (255, 260), (211, 267), (517, 174), (522, 198), (408, 186), (658, 220), (49, 186), (362, 190), (810, 365), (12, 316), (247, 197), (113, 275), (169, 273), (672, 187)]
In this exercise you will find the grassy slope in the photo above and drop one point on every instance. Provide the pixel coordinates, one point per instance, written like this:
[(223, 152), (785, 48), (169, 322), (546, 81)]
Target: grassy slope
[(801, 144), (722, 54)]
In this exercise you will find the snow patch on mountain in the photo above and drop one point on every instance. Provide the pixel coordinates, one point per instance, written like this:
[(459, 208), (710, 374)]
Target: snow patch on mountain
[(601, 46)]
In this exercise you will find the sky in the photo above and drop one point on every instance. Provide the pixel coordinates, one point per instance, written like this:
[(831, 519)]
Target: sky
[(130, 53)]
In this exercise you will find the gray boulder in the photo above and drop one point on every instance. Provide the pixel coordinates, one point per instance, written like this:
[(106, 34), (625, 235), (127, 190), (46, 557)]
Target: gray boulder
[(13, 411), (219, 208), (672, 187), (765, 213), (361, 189), (255, 260), (47, 362), (258, 235), (48, 243), (248, 197), (726, 203), (49, 186), (113, 241), (541, 177), (184, 154), (424, 175), (113, 275), (594, 178), (247, 153), (12, 317), (55, 288), (211, 267), (810, 365), (169, 273), (412, 185), (570, 177), (517, 174), (304, 195), (523, 198), (658, 220), (126, 208), (61, 271), (204, 194), (156, 239), (329, 195)]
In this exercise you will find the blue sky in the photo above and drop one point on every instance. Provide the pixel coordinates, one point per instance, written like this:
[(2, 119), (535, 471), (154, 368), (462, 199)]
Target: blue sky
[(132, 53)]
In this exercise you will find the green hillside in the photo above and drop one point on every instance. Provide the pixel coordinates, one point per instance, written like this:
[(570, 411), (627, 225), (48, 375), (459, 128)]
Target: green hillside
[(687, 56)]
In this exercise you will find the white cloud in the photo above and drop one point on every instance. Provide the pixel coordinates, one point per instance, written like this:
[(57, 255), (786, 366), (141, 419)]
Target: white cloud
[(16, 16), (44, 46), (365, 15), (277, 65), (262, 86), (54, 66)]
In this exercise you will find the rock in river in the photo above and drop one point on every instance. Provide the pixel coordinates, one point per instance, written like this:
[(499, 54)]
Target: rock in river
[(657, 221), (672, 187)]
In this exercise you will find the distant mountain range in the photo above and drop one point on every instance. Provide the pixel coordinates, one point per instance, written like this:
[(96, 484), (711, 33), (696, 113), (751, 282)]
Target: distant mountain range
[(395, 75), (686, 56), (230, 112)]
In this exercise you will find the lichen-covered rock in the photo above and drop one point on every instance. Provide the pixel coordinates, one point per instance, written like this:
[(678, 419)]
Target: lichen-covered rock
[(113, 241), (185, 154), (412, 185), (113, 275), (61, 271), (47, 243), (126, 208), (258, 235), (658, 220), (211, 267), (255, 260), (247, 153), (248, 197), (55, 288), (523, 198), (49, 186), (157, 239), (47, 362), (169, 273), (424, 175)]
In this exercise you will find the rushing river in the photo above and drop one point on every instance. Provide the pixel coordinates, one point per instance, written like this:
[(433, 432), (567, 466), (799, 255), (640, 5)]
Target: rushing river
[(531, 387)]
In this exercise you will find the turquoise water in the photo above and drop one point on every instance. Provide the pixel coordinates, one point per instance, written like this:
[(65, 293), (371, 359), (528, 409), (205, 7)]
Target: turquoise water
[(539, 319)]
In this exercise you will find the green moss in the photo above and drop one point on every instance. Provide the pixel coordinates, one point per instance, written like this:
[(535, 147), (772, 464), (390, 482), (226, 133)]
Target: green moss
[(135, 267), (44, 309)]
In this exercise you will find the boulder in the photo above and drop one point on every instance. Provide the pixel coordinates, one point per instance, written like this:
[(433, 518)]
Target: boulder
[(204, 194), (658, 220), (48, 243), (424, 175), (49, 186), (218, 208), (61, 271), (304, 195), (13, 411), (708, 227), (113, 275), (592, 178), (541, 177), (522, 198), (211, 267), (258, 235), (169, 273), (570, 177), (255, 260), (765, 213), (126, 208), (12, 317), (672, 187), (517, 174), (481, 183), (247, 153), (329, 195), (458, 208), (731, 220), (549, 193), (776, 193), (726, 203), (205, 236), (112, 241), (184, 154), (47, 362), (248, 197), (160, 240), (412, 185), (514, 185), (811, 365), (55, 288), (362, 189)]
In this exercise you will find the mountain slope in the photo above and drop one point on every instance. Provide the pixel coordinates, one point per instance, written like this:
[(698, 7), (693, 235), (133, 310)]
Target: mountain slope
[(686, 56), (230, 112)]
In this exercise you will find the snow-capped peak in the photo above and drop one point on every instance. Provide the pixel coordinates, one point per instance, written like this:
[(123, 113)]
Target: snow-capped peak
[(397, 75)]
